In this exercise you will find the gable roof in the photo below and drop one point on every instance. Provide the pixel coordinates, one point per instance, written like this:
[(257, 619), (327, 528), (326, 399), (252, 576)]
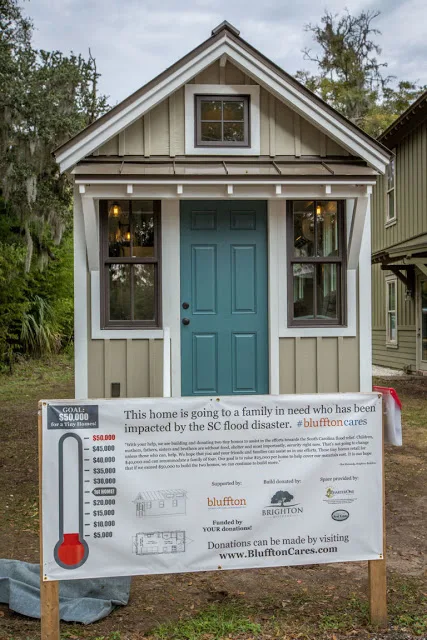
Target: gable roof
[(224, 41), (414, 115)]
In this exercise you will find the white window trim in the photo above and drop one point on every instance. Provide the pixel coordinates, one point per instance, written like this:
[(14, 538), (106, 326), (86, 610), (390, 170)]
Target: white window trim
[(313, 332), (168, 267), (251, 90), (390, 343), (390, 221)]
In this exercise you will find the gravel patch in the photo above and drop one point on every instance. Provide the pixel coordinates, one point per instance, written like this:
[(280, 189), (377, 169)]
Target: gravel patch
[(386, 372)]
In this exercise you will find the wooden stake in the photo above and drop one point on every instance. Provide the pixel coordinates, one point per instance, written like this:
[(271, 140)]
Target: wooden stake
[(377, 568), (49, 591)]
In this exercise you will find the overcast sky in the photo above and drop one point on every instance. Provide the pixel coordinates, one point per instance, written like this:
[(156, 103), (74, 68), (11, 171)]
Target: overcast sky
[(134, 40)]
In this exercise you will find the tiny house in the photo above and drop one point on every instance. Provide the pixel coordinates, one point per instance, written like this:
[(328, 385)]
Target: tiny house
[(222, 235), (159, 503), (399, 249)]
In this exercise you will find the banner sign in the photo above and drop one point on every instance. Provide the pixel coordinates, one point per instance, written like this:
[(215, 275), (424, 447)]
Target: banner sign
[(168, 485)]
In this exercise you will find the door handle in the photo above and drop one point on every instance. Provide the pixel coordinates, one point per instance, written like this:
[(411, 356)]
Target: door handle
[(186, 321)]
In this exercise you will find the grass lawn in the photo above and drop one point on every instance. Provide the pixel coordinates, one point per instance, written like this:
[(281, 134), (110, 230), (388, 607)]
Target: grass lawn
[(311, 603)]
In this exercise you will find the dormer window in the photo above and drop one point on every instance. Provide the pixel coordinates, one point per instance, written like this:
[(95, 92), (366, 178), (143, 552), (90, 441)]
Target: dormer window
[(222, 121)]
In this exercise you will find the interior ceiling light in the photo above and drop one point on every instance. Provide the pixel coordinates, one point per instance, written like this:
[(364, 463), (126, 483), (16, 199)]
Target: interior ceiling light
[(115, 210)]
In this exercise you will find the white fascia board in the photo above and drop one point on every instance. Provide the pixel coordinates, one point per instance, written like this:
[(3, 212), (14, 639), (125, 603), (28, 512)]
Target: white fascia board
[(272, 81), (178, 180)]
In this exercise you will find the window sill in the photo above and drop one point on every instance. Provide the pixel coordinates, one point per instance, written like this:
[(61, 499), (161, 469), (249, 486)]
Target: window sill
[(318, 332), (126, 334), (390, 223), (392, 345)]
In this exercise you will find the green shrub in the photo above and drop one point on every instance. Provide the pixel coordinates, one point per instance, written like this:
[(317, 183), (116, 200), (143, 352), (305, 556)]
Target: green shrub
[(13, 301), (36, 307)]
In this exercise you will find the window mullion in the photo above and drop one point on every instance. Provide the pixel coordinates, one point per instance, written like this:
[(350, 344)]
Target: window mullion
[(132, 313), (315, 230), (131, 228)]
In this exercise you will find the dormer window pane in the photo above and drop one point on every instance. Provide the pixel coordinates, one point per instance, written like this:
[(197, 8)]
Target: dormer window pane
[(233, 132), (211, 110), (234, 110), (211, 132)]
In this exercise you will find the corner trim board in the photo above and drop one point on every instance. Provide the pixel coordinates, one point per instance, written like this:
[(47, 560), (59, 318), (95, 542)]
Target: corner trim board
[(365, 310), (80, 301), (274, 211)]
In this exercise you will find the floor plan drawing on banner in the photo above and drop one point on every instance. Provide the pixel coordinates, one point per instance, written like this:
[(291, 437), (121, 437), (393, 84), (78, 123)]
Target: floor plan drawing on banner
[(159, 542), (167, 502)]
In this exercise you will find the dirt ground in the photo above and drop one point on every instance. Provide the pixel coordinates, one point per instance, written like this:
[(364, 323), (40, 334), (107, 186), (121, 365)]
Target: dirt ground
[(324, 601)]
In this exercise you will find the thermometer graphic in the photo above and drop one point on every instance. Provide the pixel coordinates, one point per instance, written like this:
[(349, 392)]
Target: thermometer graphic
[(71, 550)]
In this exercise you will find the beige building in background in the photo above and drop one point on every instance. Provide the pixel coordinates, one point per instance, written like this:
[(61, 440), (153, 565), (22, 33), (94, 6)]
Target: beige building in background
[(222, 137)]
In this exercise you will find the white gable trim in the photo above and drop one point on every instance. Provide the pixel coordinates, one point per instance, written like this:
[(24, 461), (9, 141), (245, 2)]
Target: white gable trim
[(309, 109), (126, 116), (355, 142)]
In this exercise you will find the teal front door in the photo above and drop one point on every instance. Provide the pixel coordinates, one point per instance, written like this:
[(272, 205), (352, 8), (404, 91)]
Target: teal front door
[(224, 294)]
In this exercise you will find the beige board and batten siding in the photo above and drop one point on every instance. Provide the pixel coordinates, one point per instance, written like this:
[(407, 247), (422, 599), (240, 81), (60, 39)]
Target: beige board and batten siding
[(319, 365), (307, 365), (137, 365), (161, 131)]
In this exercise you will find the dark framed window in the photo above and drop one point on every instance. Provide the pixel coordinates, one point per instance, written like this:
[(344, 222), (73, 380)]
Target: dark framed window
[(316, 263), (222, 121), (391, 191), (130, 263)]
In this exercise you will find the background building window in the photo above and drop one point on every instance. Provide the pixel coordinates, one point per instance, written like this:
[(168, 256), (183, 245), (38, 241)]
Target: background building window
[(222, 121), (316, 263), (391, 311), (130, 253), (391, 191)]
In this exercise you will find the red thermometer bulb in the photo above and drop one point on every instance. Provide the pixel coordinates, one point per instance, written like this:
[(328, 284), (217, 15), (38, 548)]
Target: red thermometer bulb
[(71, 550)]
